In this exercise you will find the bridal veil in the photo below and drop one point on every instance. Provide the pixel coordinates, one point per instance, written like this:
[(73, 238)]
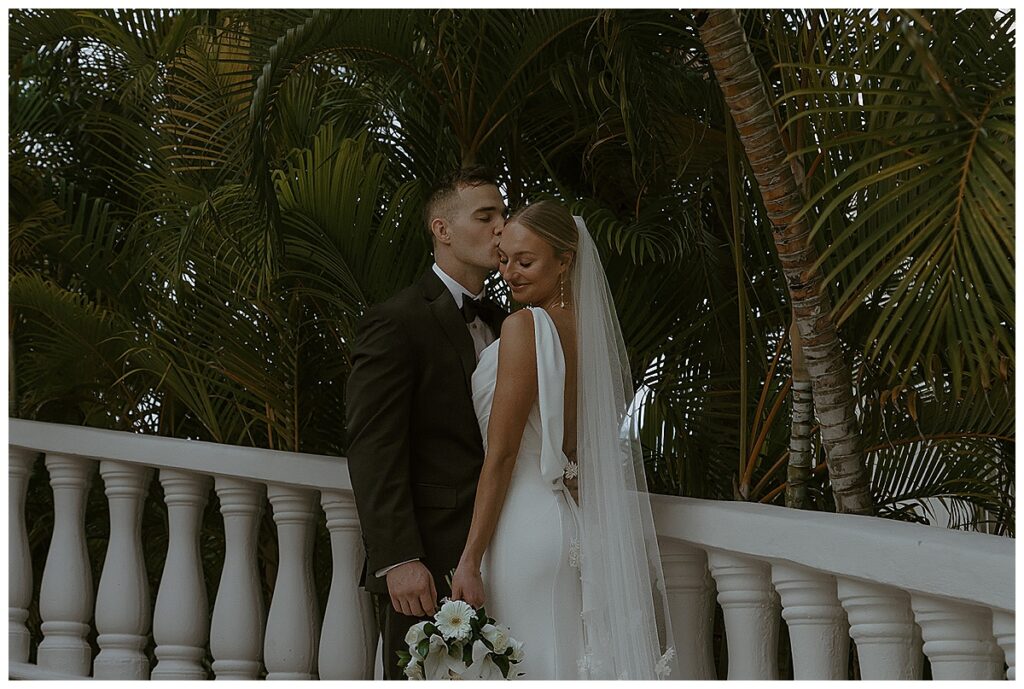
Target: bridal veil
[(626, 626)]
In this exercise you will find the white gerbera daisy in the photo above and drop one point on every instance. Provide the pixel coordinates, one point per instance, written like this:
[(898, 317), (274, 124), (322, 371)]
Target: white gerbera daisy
[(453, 619)]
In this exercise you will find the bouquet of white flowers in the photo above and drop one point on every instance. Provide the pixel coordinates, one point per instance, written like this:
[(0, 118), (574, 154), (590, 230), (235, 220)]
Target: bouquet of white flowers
[(460, 643)]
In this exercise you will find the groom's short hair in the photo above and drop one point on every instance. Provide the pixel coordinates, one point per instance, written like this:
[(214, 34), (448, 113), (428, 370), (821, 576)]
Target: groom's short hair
[(446, 187)]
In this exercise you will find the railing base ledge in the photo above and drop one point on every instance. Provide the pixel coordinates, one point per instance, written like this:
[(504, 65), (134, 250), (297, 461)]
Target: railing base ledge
[(30, 671)]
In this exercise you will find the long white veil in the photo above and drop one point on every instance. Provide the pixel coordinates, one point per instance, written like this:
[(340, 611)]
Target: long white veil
[(626, 626)]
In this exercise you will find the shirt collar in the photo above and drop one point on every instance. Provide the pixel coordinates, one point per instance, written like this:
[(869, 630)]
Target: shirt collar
[(455, 288)]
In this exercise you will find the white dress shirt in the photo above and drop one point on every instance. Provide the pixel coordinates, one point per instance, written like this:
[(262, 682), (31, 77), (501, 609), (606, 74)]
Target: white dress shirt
[(478, 330)]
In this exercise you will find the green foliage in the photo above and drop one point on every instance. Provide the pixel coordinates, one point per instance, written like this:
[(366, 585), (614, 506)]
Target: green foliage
[(911, 117), (203, 203)]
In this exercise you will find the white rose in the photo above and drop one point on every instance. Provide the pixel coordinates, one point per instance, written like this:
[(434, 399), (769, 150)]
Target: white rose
[(498, 636), (415, 635)]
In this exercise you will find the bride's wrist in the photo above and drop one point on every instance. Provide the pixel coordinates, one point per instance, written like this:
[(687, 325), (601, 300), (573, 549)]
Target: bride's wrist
[(470, 563)]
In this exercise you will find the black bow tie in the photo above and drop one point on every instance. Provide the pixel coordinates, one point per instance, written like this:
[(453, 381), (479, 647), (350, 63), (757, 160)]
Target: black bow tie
[(471, 308)]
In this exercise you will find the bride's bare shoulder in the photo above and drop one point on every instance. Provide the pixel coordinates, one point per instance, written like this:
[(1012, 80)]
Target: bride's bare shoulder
[(517, 356), (517, 322), (517, 330)]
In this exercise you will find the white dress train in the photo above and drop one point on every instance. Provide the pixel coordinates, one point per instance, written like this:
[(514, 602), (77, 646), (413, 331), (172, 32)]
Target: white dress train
[(530, 570)]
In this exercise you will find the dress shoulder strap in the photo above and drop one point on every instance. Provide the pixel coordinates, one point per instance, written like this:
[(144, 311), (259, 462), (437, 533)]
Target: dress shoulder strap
[(550, 396)]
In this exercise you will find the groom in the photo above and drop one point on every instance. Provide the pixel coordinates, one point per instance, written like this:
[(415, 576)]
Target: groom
[(414, 445)]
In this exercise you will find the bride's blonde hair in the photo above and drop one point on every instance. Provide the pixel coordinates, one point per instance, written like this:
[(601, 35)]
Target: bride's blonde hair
[(553, 223)]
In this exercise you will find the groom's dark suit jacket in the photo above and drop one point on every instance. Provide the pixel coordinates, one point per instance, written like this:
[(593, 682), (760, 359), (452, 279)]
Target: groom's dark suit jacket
[(414, 446)]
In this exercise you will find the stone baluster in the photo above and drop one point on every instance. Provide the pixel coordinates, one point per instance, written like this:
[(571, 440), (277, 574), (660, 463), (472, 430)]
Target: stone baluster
[(957, 639), (122, 602), (236, 634), (751, 615), (293, 629), (882, 625), (348, 638), (66, 595), (1003, 629), (690, 592), (818, 633), (181, 618), (19, 559)]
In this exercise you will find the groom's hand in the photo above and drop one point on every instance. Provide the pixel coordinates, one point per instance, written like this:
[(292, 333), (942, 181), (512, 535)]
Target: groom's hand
[(412, 589)]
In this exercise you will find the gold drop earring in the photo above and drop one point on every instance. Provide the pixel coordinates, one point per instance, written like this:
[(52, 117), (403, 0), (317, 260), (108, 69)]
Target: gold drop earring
[(561, 290)]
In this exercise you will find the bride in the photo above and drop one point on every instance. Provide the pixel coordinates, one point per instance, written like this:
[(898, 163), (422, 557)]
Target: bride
[(576, 575)]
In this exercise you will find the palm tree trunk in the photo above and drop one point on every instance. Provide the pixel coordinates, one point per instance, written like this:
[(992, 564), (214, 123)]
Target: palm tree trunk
[(799, 468), (12, 393), (744, 92)]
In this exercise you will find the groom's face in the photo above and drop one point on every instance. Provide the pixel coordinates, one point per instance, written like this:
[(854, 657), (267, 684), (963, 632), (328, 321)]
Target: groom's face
[(474, 219)]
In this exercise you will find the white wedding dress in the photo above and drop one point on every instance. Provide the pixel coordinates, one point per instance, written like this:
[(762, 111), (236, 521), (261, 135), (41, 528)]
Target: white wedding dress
[(530, 570)]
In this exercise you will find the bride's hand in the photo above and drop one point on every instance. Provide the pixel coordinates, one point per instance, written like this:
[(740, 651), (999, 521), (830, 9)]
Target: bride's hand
[(468, 585), (573, 484)]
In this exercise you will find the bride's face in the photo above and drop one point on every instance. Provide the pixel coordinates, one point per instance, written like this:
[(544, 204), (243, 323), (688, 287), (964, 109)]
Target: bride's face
[(529, 265)]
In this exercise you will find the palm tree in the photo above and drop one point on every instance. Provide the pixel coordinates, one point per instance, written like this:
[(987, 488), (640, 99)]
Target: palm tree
[(903, 123), (219, 256), (754, 117)]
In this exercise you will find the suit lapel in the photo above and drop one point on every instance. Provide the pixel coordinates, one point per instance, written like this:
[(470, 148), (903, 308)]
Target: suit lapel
[(448, 316)]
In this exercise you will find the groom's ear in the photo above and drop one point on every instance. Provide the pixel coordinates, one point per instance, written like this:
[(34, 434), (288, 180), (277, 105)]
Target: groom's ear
[(439, 231)]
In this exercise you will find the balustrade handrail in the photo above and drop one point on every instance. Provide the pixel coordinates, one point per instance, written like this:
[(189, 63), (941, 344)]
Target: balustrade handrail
[(912, 557), (321, 472)]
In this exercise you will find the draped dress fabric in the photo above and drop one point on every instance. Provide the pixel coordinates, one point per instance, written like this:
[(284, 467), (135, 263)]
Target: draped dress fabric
[(530, 570)]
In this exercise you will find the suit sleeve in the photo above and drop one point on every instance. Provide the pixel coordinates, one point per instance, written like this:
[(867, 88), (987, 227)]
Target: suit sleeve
[(379, 406)]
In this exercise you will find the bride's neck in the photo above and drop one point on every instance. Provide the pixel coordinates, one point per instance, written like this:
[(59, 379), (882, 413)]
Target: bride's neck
[(552, 303)]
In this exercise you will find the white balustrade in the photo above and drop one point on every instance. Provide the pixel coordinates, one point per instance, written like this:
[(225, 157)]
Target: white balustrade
[(349, 634), (837, 577), (690, 591), (293, 629), (882, 625), (19, 577), (122, 602), (66, 594), (818, 632), (181, 619), (236, 633), (1003, 628), (957, 639), (751, 615)]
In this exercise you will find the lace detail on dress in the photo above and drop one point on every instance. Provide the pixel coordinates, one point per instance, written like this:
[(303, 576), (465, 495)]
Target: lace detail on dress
[(583, 665), (589, 667), (574, 552), (664, 667)]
